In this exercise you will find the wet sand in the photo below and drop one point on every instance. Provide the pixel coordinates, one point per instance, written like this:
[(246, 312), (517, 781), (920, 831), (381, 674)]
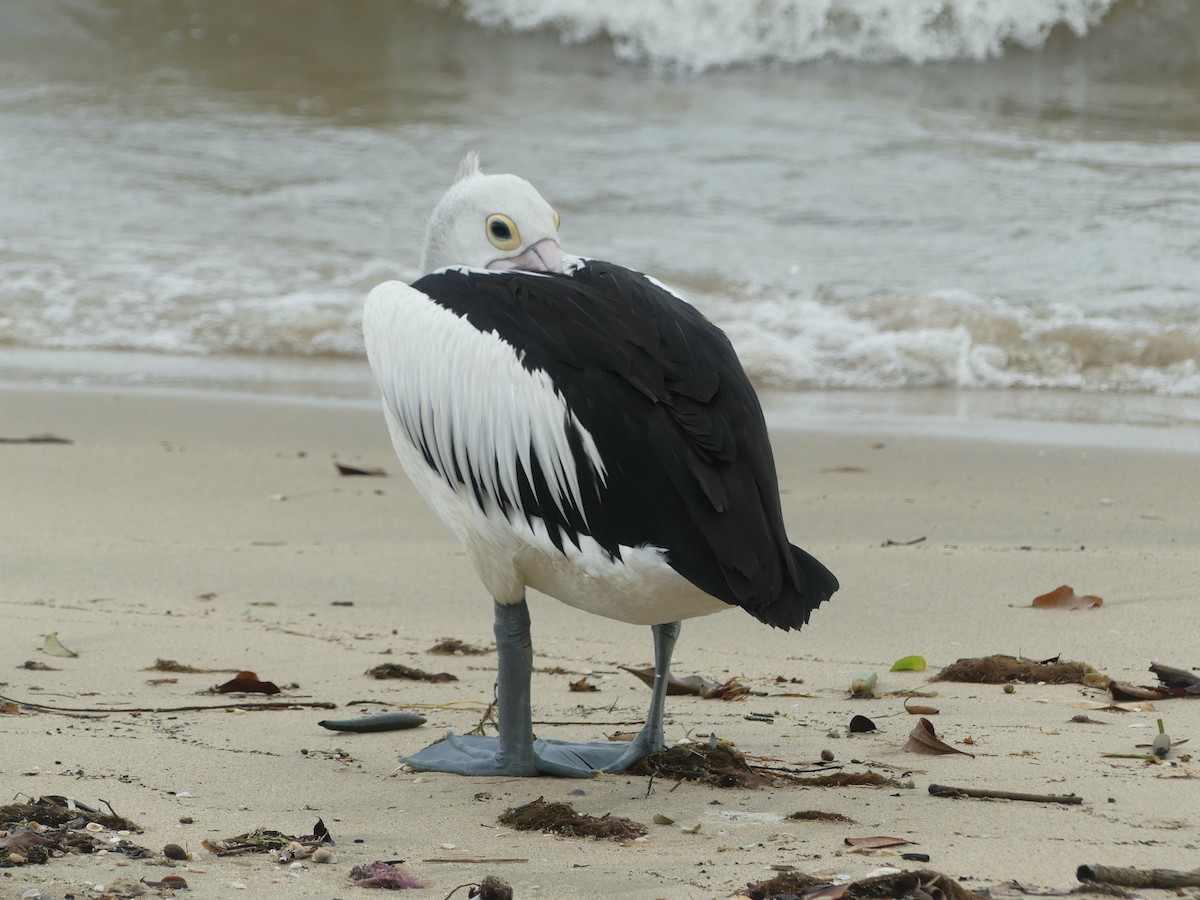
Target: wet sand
[(216, 531)]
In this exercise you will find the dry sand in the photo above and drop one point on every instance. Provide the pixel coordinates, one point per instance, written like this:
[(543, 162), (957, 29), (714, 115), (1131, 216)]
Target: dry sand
[(216, 532)]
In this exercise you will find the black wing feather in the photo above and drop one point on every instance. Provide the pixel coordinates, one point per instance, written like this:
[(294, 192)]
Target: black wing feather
[(674, 417)]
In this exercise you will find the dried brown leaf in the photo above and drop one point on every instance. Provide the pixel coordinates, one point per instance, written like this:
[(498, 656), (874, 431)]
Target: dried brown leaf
[(582, 686), (1123, 690), (1064, 597), (918, 710), (923, 739), (247, 683), (695, 685), (344, 469)]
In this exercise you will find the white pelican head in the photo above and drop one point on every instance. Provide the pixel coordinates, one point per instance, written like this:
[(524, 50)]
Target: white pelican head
[(492, 222)]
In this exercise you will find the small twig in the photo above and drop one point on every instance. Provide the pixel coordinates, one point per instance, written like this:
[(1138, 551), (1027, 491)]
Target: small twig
[(1139, 878), (586, 722), (475, 860), (70, 710), (890, 543), (945, 790)]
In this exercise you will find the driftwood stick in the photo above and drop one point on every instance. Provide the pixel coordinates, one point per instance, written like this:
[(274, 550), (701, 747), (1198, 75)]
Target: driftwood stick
[(945, 790), (100, 710), (1139, 878)]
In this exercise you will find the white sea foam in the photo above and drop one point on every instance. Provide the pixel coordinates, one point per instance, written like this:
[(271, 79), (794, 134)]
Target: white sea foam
[(707, 34), (955, 339), (882, 341)]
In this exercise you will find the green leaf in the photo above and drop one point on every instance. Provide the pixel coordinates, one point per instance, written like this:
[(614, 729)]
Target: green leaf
[(54, 648), (909, 664)]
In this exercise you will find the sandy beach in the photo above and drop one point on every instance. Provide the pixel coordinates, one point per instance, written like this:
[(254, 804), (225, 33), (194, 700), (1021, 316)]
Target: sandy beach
[(216, 531)]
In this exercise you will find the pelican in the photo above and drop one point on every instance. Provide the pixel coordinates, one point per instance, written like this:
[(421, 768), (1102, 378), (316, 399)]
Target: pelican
[(583, 432)]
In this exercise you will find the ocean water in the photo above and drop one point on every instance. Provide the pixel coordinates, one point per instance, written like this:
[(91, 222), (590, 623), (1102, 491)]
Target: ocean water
[(982, 196)]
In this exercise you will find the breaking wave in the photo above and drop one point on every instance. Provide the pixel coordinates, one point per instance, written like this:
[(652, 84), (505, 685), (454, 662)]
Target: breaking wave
[(708, 34)]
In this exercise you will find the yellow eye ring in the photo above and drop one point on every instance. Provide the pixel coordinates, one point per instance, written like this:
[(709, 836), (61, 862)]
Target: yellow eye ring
[(502, 232)]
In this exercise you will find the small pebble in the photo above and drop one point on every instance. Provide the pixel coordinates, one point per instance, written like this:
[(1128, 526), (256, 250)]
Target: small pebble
[(1008, 689), (174, 851), (827, 755), (322, 855), (16, 859)]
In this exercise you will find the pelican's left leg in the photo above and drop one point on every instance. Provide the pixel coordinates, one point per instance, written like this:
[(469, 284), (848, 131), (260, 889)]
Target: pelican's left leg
[(650, 739), (515, 752)]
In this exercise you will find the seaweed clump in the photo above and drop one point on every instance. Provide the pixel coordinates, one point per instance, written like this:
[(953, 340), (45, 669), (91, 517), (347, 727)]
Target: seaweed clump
[(561, 818), (717, 765), (999, 669)]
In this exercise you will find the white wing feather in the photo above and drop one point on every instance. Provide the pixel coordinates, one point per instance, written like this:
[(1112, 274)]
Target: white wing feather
[(463, 397)]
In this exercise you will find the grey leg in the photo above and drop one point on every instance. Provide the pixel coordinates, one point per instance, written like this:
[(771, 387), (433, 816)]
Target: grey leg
[(515, 752)]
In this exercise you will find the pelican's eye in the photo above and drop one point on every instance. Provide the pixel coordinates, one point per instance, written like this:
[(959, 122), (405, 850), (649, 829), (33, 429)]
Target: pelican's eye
[(502, 232), (556, 220)]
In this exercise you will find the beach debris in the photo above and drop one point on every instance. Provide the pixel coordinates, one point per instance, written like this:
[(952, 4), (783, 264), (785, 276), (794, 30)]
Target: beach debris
[(561, 818), (909, 664), (717, 765), (876, 842), (246, 683), (491, 888), (863, 684), (476, 860), (347, 469), (1123, 706), (1161, 745), (890, 543), (697, 685), (861, 725), (893, 883), (170, 665), (1064, 597), (398, 670), (850, 779), (816, 815), (1178, 681), (34, 666), (1166, 879), (1123, 691), (999, 668), (660, 819), (917, 709), (45, 438), (101, 711), (54, 647), (268, 840), (168, 882), (923, 739), (52, 810), (54, 826), (456, 647), (787, 884), (385, 876), (1172, 683), (175, 852), (582, 686), (945, 790), (389, 721)]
